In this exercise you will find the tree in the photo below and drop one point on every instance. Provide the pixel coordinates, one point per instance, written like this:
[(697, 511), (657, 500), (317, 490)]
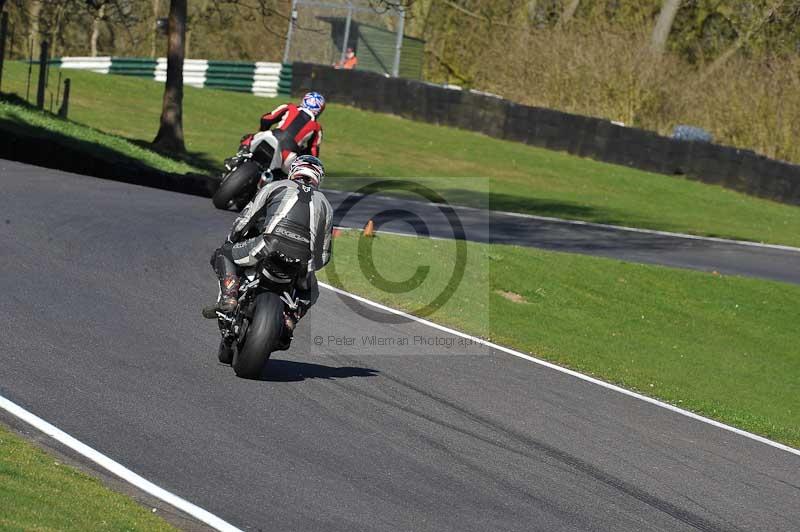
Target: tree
[(743, 39), (98, 8), (33, 26), (569, 11), (170, 133), (153, 32), (55, 28), (669, 8)]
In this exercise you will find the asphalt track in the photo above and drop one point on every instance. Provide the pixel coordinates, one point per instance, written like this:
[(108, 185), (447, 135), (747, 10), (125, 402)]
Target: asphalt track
[(102, 336), (416, 217)]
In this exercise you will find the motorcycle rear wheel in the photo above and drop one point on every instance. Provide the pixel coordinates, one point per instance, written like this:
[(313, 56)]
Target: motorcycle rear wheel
[(238, 187), (262, 335)]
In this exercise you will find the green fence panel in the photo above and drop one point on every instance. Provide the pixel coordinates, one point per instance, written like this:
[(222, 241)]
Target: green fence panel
[(227, 85), (231, 68), (285, 80), (231, 76)]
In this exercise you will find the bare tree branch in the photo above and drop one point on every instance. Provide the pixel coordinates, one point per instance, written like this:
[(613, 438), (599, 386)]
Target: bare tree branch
[(478, 16), (741, 41)]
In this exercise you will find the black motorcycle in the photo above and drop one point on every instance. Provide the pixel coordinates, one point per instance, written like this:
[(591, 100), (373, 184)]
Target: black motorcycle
[(258, 326), (242, 174)]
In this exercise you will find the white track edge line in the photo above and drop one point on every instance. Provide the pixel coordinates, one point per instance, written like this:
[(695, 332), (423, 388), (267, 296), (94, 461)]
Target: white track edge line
[(594, 224), (116, 468), (573, 373)]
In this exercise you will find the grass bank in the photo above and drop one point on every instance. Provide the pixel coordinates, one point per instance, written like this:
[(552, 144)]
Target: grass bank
[(358, 143), (37, 492), (725, 347), (24, 121)]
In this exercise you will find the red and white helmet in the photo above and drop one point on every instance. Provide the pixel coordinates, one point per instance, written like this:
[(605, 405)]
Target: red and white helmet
[(309, 169)]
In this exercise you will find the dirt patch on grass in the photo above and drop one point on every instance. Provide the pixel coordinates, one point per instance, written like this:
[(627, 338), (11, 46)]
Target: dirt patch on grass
[(512, 296)]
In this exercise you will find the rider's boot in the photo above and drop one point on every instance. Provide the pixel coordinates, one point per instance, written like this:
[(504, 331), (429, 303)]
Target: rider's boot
[(228, 299)]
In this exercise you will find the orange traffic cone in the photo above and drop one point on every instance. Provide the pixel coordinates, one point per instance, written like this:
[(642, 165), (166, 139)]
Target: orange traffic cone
[(369, 229)]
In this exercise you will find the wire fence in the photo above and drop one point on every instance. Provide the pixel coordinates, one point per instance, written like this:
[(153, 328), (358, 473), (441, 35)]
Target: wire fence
[(321, 33)]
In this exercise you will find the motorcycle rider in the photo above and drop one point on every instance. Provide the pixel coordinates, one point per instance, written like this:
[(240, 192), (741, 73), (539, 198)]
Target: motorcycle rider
[(294, 222), (298, 132)]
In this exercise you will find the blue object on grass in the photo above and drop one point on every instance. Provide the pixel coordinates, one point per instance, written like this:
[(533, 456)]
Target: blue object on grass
[(693, 133)]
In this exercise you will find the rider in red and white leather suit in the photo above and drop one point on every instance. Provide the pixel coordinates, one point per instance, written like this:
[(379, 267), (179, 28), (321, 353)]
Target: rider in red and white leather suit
[(297, 133)]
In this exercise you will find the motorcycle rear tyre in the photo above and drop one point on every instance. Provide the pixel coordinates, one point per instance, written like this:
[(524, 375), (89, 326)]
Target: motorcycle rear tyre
[(238, 188), (262, 335)]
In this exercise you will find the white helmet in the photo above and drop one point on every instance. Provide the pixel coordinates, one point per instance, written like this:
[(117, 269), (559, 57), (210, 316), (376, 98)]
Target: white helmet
[(309, 169)]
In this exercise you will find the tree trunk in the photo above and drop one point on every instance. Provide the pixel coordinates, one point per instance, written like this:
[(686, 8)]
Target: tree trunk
[(98, 18), (154, 29), (569, 11), (530, 8), (526, 14), (170, 134), (33, 27), (658, 41), (55, 33)]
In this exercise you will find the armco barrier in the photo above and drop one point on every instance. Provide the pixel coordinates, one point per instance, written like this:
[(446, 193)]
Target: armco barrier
[(259, 78), (285, 80), (101, 65), (144, 68), (737, 169)]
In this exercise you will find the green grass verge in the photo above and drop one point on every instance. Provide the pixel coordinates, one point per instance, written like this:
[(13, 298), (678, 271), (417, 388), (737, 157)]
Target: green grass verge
[(37, 492), (725, 347), (360, 143)]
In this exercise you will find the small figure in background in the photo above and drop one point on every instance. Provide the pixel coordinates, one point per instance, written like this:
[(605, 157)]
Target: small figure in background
[(350, 60)]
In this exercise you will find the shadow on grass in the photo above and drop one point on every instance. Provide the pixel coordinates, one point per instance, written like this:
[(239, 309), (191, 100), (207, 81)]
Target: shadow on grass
[(199, 160), (502, 201), (495, 200), (31, 144)]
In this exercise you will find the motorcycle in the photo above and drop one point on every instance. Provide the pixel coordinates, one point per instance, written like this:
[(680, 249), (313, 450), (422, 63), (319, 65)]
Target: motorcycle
[(243, 173), (258, 327)]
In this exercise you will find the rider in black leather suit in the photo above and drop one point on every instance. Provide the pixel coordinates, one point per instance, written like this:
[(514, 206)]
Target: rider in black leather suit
[(292, 220)]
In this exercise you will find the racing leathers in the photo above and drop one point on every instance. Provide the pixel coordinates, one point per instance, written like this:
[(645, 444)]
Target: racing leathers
[(292, 223), (297, 133)]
